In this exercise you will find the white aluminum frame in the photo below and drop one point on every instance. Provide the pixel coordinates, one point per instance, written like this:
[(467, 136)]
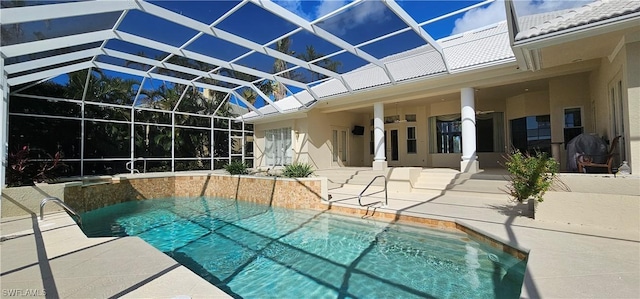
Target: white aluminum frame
[(13, 74)]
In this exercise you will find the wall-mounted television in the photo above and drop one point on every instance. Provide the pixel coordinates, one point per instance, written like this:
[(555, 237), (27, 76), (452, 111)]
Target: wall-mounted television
[(358, 130)]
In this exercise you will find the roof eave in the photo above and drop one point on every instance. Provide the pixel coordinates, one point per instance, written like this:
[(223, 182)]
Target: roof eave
[(580, 32), (527, 50), (274, 117)]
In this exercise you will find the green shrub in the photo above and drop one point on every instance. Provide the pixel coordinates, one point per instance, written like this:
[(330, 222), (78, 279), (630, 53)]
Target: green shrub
[(530, 176), (236, 167), (297, 170)]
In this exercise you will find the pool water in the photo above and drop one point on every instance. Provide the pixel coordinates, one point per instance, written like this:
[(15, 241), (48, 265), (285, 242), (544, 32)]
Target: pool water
[(256, 251)]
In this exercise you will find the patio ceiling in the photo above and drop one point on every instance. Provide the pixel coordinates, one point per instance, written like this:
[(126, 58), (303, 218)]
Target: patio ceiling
[(218, 45)]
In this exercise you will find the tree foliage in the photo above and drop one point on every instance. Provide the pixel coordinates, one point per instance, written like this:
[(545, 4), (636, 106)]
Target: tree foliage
[(152, 133)]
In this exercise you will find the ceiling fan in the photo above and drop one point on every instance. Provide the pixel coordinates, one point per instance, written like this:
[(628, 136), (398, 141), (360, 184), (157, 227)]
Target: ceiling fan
[(480, 112)]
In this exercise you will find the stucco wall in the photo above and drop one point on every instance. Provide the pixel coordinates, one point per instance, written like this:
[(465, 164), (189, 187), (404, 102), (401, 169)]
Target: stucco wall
[(612, 211), (569, 92), (321, 139), (527, 104), (18, 201), (624, 66), (632, 103)]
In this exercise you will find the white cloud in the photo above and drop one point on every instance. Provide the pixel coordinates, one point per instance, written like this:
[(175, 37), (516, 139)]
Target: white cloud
[(479, 17), (328, 6), (295, 6), (495, 12), (367, 11), (524, 8)]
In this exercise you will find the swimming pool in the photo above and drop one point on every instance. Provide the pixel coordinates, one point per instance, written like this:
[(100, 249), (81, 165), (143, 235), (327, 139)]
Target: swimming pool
[(256, 251)]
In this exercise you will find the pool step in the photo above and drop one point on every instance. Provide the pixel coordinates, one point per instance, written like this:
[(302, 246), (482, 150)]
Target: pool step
[(450, 181)]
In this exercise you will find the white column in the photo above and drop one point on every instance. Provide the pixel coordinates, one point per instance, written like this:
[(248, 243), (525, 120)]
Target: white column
[(4, 124), (469, 161), (379, 161)]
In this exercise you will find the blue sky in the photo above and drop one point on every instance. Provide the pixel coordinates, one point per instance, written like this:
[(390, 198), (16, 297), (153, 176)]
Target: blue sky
[(355, 25)]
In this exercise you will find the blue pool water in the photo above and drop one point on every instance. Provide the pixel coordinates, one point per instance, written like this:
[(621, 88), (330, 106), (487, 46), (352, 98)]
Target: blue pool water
[(255, 251)]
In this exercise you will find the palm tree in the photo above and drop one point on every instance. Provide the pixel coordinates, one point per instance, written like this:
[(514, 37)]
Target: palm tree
[(310, 54), (279, 90), (248, 93)]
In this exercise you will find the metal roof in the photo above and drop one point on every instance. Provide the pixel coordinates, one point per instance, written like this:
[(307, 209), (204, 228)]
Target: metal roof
[(590, 13)]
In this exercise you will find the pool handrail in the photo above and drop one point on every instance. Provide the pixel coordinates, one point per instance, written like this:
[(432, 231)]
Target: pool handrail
[(60, 203), (386, 199)]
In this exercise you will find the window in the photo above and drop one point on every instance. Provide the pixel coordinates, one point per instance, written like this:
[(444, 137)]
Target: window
[(391, 119), (343, 145), (411, 140), (532, 133), (410, 118), (278, 147), (445, 133), (572, 124), (490, 132), (334, 144)]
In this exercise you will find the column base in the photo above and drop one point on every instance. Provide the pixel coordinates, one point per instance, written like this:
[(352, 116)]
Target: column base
[(469, 166), (379, 165)]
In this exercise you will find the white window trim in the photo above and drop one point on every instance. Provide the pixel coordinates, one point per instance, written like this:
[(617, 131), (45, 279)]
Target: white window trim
[(415, 138)]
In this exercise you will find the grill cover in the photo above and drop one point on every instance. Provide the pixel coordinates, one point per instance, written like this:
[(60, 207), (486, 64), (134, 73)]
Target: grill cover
[(585, 144)]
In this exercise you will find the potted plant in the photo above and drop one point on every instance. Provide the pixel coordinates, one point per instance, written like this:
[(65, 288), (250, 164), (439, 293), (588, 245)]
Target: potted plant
[(236, 167), (297, 170), (530, 176)]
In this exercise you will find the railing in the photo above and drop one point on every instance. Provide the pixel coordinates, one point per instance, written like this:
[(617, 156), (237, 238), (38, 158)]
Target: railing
[(60, 203), (386, 200), (130, 168)]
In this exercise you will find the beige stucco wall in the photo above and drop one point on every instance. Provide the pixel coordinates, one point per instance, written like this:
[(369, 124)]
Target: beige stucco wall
[(625, 66), (632, 103), (527, 104), (570, 91), (25, 200), (320, 144)]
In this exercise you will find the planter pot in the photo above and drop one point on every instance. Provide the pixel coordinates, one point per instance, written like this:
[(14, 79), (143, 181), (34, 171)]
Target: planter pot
[(533, 206)]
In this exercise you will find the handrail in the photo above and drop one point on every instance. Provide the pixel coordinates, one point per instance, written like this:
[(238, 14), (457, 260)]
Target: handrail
[(129, 167), (60, 203), (386, 199)]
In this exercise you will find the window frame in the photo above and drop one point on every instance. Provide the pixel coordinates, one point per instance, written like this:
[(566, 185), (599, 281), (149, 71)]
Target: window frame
[(413, 140)]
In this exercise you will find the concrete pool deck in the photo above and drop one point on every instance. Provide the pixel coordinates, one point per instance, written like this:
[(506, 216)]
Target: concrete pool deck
[(565, 261)]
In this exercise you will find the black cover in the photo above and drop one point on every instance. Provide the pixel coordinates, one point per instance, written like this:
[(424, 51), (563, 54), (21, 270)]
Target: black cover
[(585, 144)]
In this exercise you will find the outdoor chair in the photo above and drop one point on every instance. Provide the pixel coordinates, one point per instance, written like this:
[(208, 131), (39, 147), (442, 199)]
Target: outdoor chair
[(592, 160)]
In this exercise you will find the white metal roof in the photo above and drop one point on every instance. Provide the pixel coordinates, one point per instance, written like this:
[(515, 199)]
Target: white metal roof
[(588, 14)]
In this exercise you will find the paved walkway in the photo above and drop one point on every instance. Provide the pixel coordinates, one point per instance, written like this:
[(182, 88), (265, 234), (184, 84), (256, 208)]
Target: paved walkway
[(565, 261), (55, 255)]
